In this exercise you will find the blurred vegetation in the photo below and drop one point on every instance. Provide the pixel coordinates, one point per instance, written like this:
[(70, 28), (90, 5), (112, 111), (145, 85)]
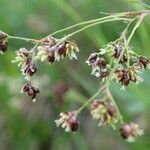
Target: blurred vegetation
[(28, 126)]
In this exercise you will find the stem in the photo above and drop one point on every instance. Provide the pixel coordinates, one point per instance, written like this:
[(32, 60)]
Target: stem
[(23, 39), (141, 17), (96, 23), (121, 14), (116, 64), (79, 24), (88, 101), (52, 49), (115, 105), (88, 22)]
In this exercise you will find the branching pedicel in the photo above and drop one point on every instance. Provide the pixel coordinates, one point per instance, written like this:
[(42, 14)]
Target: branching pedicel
[(122, 65)]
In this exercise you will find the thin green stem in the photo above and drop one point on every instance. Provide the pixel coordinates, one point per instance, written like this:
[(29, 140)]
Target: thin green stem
[(96, 23), (80, 24), (111, 15), (141, 17), (84, 28), (88, 22), (23, 39), (88, 101), (115, 105)]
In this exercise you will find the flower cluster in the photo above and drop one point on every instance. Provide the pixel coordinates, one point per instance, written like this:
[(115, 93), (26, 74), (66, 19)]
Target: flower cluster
[(28, 67), (49, 51), (30, 90), (130, 131), (25, 62), (129, 67), (104, 112), (99, 66), (130, 63), (3, 42), (126, 75), (142, 63), (122, 64), (68, 120), (116, 49)]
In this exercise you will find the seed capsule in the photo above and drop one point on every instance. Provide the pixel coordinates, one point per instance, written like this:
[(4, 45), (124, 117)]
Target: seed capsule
[(144, 61), (68, 121)]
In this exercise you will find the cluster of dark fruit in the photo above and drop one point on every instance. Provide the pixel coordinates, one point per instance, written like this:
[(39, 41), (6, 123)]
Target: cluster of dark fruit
[(130, 64), (49, 51), (3, 42), (68, 120), (105, 113), (30, 90), (99, 66), (28, 67), (126, 74)]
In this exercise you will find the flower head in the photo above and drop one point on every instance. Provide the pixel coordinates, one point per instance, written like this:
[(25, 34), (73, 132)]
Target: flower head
[(29, 69), (50, 51), (117, 50), (23, 57), (144, 61), (30, 90), (25, 62), (130, 131), (104, 112), (68, 121), (123, 76), (3, 42), (99, 66)]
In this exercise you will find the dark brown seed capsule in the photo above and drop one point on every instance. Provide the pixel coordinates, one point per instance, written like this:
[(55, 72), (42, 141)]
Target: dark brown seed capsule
[(144, 61), (125, 131), (117, 52), (123, 76), (50, 41), (51, 57), (30, 90), (30, 69), (111, 110), (74, 125), (92, 58), (62, 49), (101, 63), (3, 46)]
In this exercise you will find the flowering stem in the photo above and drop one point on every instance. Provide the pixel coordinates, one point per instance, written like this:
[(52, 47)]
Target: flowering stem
[(141, 17), (96, 23), (23, 39), (89, 22), (114, 15), (124, 49), (84, 28), (80, 24), (115, 105), (88, 101), (107, 84)]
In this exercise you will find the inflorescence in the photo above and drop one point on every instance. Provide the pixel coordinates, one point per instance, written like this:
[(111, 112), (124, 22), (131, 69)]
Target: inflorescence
[(115, 61)]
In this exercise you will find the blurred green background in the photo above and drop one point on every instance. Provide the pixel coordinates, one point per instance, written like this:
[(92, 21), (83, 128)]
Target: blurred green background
[(30, 126)]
